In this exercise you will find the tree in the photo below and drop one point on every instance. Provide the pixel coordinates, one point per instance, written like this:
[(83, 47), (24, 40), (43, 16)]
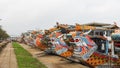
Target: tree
[(3, 34)]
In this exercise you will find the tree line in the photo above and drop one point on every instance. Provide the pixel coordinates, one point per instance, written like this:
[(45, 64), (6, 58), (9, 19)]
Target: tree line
[(3, 34)]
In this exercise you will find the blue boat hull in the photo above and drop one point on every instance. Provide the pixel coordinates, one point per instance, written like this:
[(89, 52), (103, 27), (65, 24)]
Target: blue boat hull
[(115, 37)]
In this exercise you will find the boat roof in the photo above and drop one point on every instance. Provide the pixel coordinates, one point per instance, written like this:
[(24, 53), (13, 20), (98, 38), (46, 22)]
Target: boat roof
[(97, 24)]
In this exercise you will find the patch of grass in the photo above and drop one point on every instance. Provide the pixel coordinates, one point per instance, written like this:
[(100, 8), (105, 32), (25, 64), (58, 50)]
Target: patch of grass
[(25, 59)]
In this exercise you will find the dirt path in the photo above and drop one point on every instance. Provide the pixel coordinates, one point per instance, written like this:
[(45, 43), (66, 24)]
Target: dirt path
[(52, 61), (8, 58)]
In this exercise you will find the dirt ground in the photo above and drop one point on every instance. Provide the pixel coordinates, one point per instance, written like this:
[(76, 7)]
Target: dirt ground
[(52, 61), (8, 58)]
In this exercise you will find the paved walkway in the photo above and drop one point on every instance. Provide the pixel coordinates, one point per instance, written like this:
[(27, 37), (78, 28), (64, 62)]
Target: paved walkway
[(8, 58)]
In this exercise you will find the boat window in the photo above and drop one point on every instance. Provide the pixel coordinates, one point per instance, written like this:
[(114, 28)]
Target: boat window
[(101, 33), (96, 33)]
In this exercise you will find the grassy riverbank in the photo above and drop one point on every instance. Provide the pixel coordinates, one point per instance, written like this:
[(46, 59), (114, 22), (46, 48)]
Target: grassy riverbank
[(25, 59)]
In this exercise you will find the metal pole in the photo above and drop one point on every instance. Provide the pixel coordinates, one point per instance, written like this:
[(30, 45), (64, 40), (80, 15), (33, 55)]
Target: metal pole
[(83, 29), (112, 48)]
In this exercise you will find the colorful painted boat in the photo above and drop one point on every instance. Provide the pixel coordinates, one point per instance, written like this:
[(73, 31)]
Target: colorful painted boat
[(74, 46)]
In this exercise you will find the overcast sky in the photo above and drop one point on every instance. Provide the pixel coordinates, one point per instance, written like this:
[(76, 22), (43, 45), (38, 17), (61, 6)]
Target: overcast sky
[(21, 15)]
